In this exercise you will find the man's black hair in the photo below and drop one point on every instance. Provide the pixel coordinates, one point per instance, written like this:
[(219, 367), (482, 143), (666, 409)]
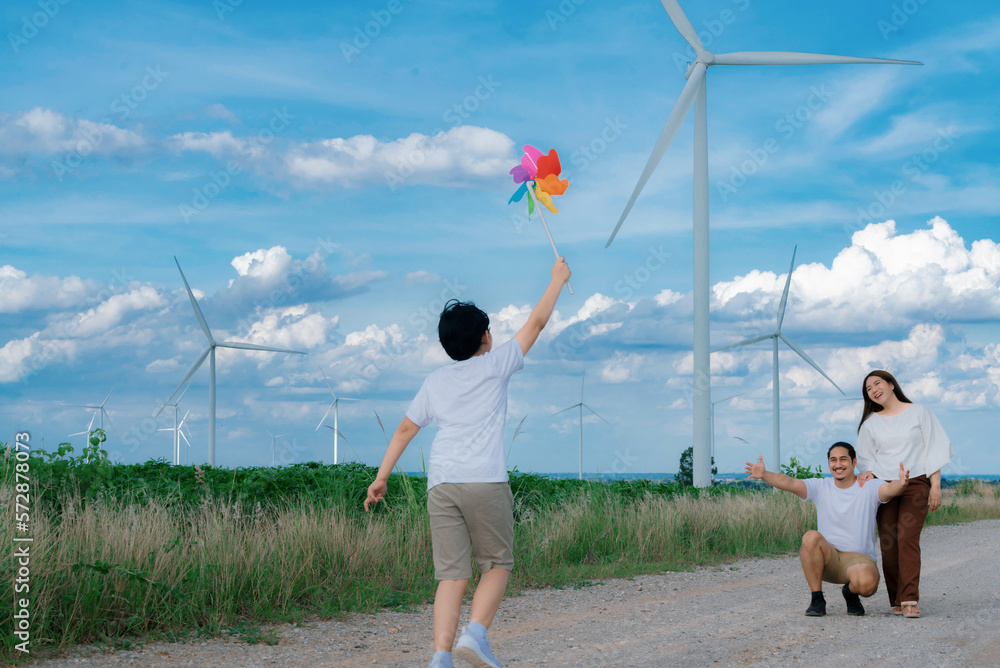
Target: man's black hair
[(841, 444), (461, 329)]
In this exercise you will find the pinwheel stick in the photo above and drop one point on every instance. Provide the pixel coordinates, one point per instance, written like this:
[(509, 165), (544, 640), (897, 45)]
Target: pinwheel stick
[(531, 194)]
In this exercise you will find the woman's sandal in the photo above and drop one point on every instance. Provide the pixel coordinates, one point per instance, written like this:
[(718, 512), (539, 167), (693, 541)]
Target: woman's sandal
[(897, 610), (910, 610)]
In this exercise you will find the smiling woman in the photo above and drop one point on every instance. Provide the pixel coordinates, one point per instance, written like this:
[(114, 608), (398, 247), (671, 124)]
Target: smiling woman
[(896, 432)]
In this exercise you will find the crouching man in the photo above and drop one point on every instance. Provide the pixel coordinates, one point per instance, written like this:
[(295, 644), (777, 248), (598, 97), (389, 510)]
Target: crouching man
[(842, 551)]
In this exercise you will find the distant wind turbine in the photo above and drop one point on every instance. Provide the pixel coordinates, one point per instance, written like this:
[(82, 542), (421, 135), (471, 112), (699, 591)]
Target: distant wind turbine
[(98, 410), (581, 406), (335, 407), (274, 437), (694, 94), (210, 353), (713, 418), (176, 437), (774, 336), (178, 430)]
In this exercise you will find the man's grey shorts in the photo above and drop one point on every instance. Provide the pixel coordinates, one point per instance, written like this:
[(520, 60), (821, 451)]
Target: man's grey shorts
[(471, 520)]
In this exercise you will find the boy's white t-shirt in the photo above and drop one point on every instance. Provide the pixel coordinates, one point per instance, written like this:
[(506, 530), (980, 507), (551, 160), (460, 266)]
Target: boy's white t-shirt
[(846, 517), (469, 401)]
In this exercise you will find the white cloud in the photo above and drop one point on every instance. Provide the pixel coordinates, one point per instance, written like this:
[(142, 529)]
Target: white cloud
[(220, 145), (422, 276), (448, 158), (884, 280), (46, 132), (219, 110), (20, 293)]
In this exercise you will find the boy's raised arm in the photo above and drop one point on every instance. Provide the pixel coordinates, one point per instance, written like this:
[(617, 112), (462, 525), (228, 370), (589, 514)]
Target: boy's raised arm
[(543, 309), (405, 432)]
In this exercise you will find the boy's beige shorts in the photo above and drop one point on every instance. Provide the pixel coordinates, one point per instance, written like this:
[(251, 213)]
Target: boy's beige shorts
[(471, 519)]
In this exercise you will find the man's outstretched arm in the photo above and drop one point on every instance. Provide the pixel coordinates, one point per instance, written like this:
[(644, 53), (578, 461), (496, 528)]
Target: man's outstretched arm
[(776, 480), (896, 487)]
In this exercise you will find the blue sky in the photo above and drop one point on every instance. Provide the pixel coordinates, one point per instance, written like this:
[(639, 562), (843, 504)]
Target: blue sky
[(328, 174)]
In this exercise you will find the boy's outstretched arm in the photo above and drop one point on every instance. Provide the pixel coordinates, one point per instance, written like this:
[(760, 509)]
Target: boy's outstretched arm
[(543, 309), (777, 480), (405, 432)]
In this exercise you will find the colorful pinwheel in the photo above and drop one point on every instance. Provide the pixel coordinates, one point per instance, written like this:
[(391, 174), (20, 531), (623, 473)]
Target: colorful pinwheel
[(542, 172)]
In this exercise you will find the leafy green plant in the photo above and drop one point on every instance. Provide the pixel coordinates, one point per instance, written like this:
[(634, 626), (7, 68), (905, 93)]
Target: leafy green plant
[(685, 469), (795, 469)]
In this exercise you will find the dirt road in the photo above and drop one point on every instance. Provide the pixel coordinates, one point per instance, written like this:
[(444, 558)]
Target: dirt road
[(748, 613)]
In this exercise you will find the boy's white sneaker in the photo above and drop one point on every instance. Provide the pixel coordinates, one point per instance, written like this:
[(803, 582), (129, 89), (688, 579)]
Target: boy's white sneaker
[(475, 653)]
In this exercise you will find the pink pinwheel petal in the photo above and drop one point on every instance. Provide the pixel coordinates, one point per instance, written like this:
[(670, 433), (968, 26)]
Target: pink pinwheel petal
[(530, 159)]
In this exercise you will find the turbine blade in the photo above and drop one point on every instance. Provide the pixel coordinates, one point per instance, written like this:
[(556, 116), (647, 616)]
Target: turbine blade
[(747, 342), (254, 346), (674, 123), (797, 58), (566, 409), (582, 381), (190, 373), (182, 395), (181, 434), (194, 304), (595, 412), (348, 399), (683, 25), (109, 395), (803, 355), (324, 417), (784, 294), (327, 383)]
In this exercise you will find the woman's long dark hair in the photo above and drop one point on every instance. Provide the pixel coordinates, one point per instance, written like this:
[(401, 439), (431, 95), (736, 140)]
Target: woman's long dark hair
[(871, 406)]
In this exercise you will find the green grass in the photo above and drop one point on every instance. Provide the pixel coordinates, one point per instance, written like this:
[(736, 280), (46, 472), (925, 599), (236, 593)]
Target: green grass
[(126, 553)]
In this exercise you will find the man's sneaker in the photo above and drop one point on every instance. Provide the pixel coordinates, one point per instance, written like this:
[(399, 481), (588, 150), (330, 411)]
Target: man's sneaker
[(854, 606), (818, 606), (475, 653)]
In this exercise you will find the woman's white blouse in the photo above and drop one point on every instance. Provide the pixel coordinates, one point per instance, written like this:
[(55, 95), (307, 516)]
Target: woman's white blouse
[(914, 437)]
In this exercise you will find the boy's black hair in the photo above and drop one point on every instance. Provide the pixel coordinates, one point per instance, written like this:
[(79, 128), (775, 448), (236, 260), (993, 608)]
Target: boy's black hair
[(461, 329), (841, 444)]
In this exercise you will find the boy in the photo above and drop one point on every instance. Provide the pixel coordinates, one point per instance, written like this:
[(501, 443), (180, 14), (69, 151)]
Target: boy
[(468, 493)]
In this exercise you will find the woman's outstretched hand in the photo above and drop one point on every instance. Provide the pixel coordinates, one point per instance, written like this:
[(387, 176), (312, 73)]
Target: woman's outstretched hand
[(865, 477)]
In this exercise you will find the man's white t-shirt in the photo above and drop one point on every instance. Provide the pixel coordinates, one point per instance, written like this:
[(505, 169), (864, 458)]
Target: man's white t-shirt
[(469, 401), (846, 517)]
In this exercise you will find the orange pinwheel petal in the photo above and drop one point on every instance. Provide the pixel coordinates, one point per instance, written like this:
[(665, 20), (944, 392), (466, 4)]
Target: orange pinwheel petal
[(553, 185), (548, 164)]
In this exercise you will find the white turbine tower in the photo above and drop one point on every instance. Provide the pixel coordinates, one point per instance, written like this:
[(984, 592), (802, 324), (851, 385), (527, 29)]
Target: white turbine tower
[(335, 407), (774, 336), (694, 94), (98, 410), (176, 436), (210, 353), (581, 406)]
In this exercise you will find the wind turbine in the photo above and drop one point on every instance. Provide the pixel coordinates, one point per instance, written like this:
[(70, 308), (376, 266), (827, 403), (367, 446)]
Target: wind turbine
[(210, 353), (694, 94), (335, 407), (581, 406), (178, 433), (274, 437), (98, 410), (177, 440), (774, 336)]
